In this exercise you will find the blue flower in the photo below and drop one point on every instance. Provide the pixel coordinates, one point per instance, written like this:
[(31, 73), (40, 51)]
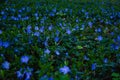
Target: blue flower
[(57, 52), (118, 38), (100, 38), (5, 44), (46, 43), (6, 65), (65, 69), (36, 34), (56, 39), (52, 14), (24, 59), (47, 51), (98, 30), (68, 31), (2, 12), (0, 31), (36, 28), (50, 27), (24, 73), (19, 74), (105, 60), (90, 24), (114, 47), (42, 29), (86, 58), (29, 29), (27, 75), (93, 66), (1, 43), (51, 78), (77, 20)]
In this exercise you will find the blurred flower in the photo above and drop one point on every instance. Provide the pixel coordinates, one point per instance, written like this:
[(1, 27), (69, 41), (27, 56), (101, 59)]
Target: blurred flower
[(6, 65), (56, 39), (36, 34), (54, 10), (93, 66), (19, 74), (114, 46), (57, 52), (2, 12), (105, 60), (68, 31), (50, 27), (51, 78), (90, 24), (42, 29), (36, 28), (47, 51), (64, 70), (46, 43), (5, 44), (0, 31), (99, 38), (27, 75), (1, 43), (98, 30), (86, 58), (77, 20), (52, 14), (118, 37), (24, 73), (24, 59), (29, 29)]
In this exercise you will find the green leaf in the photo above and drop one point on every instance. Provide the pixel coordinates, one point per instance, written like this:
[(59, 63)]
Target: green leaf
[(79, 47), (115, 74)]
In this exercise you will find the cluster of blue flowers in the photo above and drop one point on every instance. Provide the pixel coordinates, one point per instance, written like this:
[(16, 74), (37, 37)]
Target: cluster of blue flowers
[(57, 41)]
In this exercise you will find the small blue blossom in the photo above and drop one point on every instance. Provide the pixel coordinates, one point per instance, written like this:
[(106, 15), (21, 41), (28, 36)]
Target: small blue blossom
[(36, 28), (68, 31), (118, 38), (36, 34), (65, 69), (77, 20), (105, 60), (42, 29), (46, 43), (19, 74), (47, 51), (56, 39), (98, 30), (52, 14), (114, 47), (51, 78), (2, 12), (6, 65), (99, 38), (86, 58), (24, 73), (90, 24), (0, 31), (1, 43), (93, 66), (5, 44), (24, 59), (50, 27), (27, 75), (29, 29), (57, 52)]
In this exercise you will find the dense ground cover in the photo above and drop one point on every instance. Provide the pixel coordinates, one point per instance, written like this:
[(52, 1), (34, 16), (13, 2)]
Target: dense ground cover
[(60, 40)]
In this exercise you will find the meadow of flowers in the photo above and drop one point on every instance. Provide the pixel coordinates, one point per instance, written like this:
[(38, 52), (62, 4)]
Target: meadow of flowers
[(60, 40)]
